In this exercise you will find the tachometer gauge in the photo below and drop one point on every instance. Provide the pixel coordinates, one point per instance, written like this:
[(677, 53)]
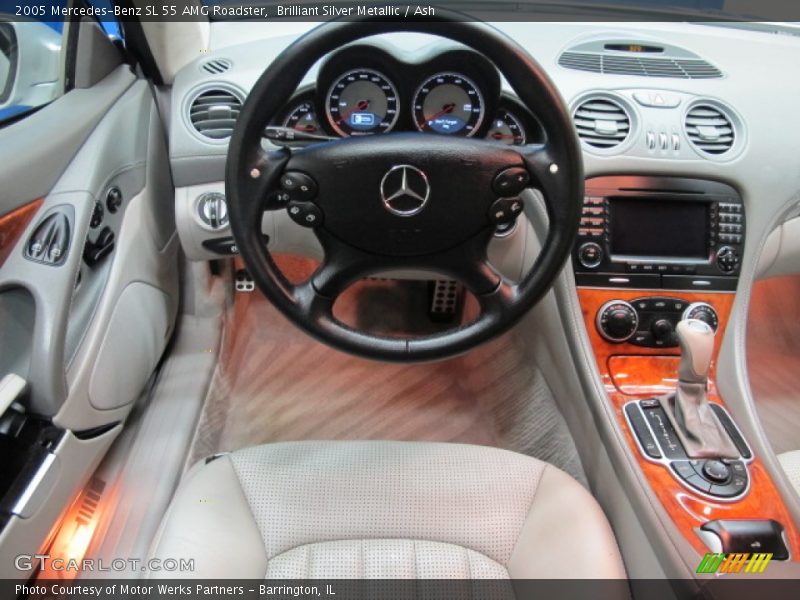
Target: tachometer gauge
[(303, 118), (507, 129), (448, 103), (361, 102)]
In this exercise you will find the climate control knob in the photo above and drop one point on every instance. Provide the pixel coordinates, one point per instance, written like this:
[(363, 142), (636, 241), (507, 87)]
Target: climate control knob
[(617, 321), (703, 312)]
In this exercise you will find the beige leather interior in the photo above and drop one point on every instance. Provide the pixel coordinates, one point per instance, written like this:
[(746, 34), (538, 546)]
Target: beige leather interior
[(790, 461), (386, 510)]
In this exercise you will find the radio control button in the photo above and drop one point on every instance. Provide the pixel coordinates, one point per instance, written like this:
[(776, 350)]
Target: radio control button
[(727, 258), (590, 255)]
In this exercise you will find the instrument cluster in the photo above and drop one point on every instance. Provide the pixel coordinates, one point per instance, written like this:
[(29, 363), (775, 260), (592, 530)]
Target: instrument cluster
[(364, 90)]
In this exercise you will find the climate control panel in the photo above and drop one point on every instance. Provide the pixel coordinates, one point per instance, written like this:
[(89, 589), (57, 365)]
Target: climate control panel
[(649, 321)]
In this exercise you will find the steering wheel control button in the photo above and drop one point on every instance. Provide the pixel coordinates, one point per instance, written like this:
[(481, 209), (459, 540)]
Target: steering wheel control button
[(299, 185), (511, 181), (617, 321), (716, 471), (590, 255), (505, 210), (278, 197), (306, 214)]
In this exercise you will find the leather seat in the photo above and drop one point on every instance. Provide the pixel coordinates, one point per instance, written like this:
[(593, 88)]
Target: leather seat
[(790, 461), (385, 510)]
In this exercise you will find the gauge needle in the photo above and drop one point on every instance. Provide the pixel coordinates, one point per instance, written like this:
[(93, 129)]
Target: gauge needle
[(446, 109), (307, 128), (502, 136), (360, 105)]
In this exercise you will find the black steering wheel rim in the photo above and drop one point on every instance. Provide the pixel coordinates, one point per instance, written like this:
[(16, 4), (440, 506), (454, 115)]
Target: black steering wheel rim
[(555, 167)]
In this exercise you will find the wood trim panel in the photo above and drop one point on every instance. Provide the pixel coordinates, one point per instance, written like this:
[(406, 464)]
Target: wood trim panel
[(13, 224), (631, 372)]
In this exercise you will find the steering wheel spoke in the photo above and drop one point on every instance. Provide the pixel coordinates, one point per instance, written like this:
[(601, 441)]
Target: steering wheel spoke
[(342, 266), (264, 180), (555, 181)]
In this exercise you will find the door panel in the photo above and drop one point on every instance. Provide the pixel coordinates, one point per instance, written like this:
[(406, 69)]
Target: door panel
[(86, 309)]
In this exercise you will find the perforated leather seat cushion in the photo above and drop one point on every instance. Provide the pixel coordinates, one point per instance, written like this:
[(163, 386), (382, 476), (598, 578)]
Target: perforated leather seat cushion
[(790, 461), (386, 510)]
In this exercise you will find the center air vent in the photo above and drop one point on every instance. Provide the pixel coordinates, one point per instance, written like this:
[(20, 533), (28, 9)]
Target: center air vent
[(602, 122), (215, 66), (213, 113), (709, 129)]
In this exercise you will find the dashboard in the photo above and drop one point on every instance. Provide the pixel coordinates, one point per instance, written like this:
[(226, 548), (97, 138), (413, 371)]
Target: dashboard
[(663, 99), (364, 90)]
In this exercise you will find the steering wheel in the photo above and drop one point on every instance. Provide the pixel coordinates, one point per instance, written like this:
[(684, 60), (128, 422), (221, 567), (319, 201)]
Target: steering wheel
[(403, 200)]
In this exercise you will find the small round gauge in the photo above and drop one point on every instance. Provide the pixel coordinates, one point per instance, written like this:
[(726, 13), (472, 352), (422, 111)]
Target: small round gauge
[(303, 118), (448, 103), (362, 102), (507, 128)]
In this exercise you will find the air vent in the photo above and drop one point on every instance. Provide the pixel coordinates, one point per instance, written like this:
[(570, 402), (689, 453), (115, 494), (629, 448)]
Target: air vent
[(602, 122), (215, 66), (643, 66), (709, 129), (213, 113)]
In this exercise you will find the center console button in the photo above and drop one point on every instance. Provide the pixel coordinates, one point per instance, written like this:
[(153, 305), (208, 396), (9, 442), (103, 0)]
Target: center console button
[(662, 329), (698, 482), (716, 471), (683, 469)]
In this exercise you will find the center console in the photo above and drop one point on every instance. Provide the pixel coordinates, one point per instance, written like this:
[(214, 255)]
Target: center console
[(654, 255)]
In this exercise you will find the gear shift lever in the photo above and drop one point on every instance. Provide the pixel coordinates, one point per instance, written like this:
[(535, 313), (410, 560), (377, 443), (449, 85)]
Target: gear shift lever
[(689, 410), (696, 339)]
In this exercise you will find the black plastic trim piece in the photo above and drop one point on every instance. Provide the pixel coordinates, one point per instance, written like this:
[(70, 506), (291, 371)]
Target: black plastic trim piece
[(640, 429), (738, 535), (136, 44), (95, 432), (732, 431)]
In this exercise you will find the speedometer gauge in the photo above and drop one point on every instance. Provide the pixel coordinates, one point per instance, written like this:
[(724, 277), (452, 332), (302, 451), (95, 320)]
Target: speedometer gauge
[(507, 129), (448, 103), (361, 102)]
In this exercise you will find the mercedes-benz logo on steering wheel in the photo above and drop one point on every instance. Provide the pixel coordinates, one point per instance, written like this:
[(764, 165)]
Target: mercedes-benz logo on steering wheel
[(405, 190)]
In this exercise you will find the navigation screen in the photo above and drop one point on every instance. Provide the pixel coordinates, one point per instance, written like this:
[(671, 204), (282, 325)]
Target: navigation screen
[(659, 228)]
